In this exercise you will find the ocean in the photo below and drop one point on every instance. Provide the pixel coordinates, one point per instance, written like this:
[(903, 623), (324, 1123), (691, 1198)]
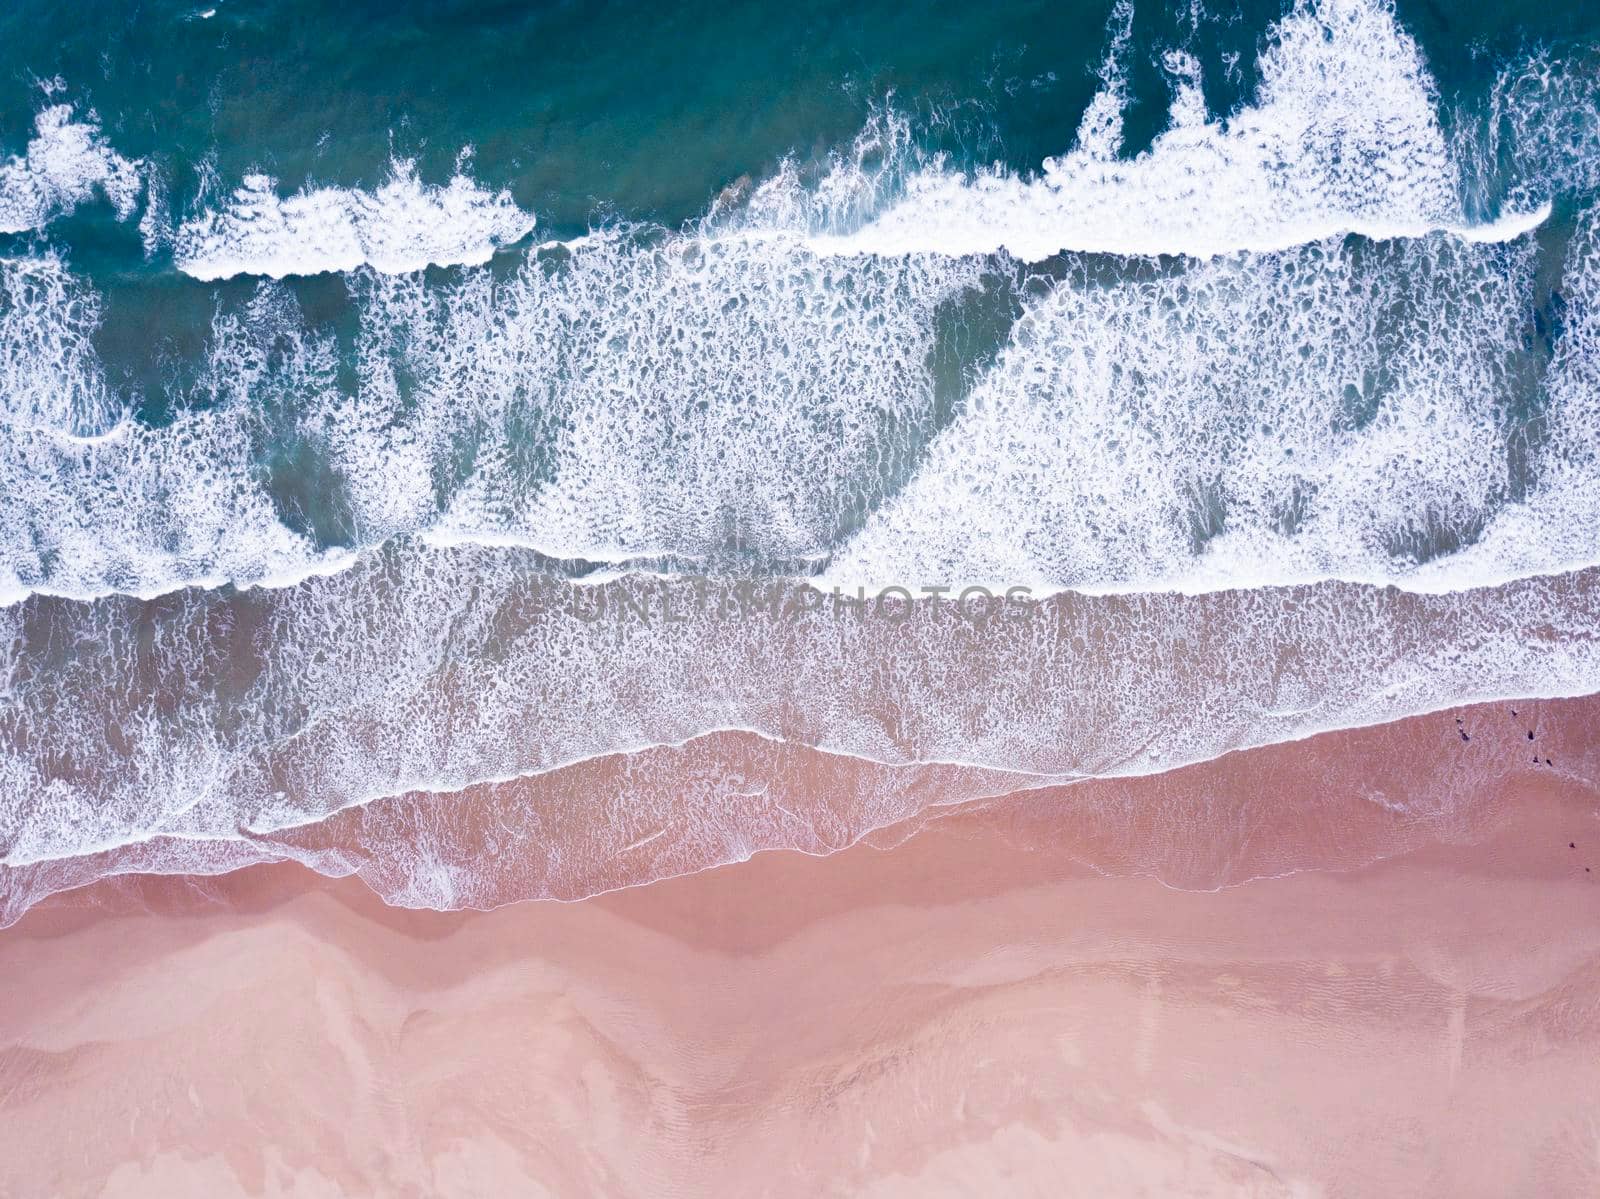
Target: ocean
[(349, 353)]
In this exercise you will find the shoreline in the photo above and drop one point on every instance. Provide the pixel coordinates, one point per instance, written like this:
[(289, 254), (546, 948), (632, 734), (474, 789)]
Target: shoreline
[(970, 1003)]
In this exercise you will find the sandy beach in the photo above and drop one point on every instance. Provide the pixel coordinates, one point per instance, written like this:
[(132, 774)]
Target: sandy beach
[(982, 1005)]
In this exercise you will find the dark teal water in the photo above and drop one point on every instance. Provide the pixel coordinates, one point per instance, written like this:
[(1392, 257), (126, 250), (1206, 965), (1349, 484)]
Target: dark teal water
[(645, 111)]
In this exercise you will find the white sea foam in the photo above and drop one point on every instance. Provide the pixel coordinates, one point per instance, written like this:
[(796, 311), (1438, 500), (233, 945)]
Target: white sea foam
[(155, 226), (1342, 136), (665, 811), (96, 501), (1540, 136), (647, 397), (1327, 412), (210, 713), (403, 225), (1333, 411), (670, 397), (51, 380), (66, 163)]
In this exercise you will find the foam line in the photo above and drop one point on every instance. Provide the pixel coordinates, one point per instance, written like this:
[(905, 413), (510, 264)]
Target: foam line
[(608, 823), (403, 225), (1341, 137), (207, 712)]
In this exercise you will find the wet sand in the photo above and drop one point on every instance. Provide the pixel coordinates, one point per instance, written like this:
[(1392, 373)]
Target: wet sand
[(971, 1011), (1333, 801)]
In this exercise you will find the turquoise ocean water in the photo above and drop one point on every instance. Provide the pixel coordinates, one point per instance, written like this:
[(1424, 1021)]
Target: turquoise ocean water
[(636, 120)]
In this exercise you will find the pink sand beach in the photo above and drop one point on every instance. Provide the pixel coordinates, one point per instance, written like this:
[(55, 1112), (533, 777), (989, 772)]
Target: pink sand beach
[(1008, 999)]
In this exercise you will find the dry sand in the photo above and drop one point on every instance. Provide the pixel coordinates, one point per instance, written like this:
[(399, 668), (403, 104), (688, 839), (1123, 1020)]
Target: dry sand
[(970, 1012)]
